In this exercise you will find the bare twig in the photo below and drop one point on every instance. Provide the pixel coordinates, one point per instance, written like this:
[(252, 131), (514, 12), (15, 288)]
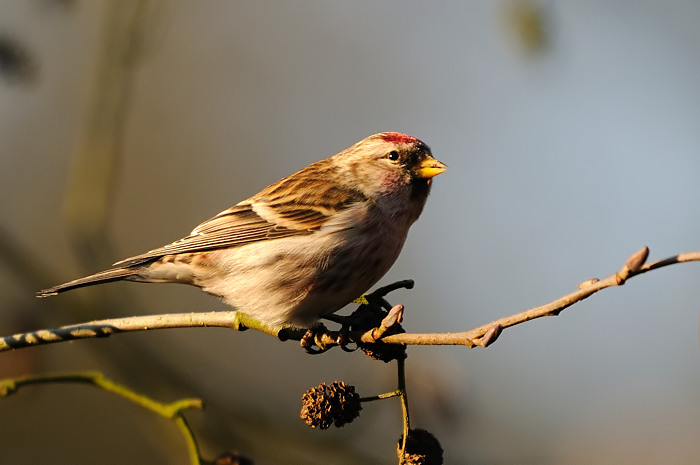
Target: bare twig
[(104, 328), (481, 336), (633, 267), (404, 406)]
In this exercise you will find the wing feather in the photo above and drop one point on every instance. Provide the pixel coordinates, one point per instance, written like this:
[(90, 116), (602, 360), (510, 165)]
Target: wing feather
[(233, 227)]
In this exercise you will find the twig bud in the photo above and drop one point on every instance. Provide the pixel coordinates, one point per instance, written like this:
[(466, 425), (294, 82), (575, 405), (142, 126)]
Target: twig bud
[(394, 316), (637, 260), (491, 335)]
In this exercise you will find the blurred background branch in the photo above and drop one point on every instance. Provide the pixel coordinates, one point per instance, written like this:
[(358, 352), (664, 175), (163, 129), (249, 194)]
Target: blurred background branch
[(16, 63), (98, 151)]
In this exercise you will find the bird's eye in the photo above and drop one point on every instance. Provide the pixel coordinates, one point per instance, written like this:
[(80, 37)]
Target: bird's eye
[(393, 155)]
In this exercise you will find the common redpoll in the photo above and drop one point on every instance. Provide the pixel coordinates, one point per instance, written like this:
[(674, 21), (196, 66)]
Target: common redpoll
[(305, 246)]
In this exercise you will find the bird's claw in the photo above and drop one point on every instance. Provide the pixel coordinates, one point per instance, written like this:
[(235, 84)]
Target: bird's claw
[(320, 339), (312, 341), (374, 312), (343, 339)]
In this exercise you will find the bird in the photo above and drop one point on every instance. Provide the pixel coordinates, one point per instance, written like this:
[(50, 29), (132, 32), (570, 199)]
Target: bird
[(303, 247)]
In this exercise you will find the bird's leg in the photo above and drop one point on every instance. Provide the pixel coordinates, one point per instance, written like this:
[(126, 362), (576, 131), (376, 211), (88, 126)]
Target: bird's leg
[(313, 342), (370, 314)]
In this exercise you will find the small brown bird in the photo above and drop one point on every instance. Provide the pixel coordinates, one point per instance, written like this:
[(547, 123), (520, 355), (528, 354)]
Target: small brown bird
[(305, 246)]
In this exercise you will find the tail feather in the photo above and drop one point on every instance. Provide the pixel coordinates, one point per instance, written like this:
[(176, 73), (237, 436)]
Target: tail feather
[(115, 274)]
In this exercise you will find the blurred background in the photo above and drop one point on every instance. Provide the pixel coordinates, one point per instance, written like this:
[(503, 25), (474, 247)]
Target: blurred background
[(571, 134)]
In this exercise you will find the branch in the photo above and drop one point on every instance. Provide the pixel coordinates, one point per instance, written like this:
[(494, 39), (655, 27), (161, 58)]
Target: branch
[(635, 265), (105, 328), (481, 336), (172, 411)]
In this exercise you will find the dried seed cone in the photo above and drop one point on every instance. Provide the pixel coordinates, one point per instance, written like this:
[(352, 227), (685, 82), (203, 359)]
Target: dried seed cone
[(384, 352), (326, 405), (422, 448), (366, 317)]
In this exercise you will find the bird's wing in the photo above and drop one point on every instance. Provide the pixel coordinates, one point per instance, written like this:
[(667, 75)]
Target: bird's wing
[(272, 214), (238, 225)]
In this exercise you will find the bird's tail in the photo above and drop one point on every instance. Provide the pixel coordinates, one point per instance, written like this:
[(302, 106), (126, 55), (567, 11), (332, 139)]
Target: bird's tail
[(115, 274)]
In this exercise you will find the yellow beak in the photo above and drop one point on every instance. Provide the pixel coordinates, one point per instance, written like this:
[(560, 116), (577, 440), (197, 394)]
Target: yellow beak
[(430, 168)]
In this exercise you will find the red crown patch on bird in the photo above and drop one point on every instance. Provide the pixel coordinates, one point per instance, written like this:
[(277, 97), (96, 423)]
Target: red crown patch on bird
[(398, 138)]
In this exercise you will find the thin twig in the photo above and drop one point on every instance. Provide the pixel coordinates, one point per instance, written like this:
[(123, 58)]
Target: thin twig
[(105, 328), (385, 395), (586, 289), (404, 406)]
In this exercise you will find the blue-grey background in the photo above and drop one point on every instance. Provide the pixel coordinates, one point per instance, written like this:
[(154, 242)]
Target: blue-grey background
[(567, 152)]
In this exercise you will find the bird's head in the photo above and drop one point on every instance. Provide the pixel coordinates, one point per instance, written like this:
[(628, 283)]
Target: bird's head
[(390, 161)]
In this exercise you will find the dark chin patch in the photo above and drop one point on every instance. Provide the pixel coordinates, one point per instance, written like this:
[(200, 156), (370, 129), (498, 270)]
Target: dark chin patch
[(420, 188)]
